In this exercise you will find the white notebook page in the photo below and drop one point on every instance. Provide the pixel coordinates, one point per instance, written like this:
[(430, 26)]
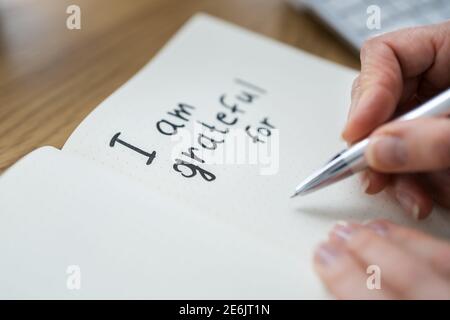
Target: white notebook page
[(60, 212)]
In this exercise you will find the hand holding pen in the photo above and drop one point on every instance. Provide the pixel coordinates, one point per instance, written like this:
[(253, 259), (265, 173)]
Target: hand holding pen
[(410, 158), (410, 154)]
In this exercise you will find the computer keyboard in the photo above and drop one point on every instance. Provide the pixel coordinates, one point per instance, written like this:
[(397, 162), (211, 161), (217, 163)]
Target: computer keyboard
[(349, 17)]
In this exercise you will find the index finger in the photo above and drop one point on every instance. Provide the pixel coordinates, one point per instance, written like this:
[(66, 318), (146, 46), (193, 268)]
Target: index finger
[(388, 62)]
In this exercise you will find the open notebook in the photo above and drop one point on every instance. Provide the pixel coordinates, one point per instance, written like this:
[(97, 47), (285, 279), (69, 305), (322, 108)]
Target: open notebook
[(178, 184)]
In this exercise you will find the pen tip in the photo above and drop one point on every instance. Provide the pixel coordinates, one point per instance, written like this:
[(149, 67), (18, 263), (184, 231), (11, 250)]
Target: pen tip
[(294, 195)]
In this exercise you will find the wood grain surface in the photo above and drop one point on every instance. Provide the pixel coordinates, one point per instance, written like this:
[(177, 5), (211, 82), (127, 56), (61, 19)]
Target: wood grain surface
[(52, 77)]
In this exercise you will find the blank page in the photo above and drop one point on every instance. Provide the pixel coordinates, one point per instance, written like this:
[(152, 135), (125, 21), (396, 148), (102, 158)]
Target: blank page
[(62, 214)]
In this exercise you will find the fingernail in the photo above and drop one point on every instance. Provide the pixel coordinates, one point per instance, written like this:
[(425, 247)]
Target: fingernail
[(350, 110), (343, 231), (388, 151), (342, 223), (365, 182), (408, 203), (326, 253), (378, 227), (358, 102), (354, 102)]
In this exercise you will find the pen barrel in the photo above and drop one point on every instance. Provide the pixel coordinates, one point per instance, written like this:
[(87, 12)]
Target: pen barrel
[(354, 157), (438, 106), (352, 160)]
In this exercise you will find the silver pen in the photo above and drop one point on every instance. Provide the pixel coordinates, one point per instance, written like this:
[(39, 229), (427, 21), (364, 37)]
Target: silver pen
[(352, 160)]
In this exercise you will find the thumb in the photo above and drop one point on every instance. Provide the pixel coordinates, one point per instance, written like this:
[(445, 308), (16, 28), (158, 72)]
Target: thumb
[(410, 146)]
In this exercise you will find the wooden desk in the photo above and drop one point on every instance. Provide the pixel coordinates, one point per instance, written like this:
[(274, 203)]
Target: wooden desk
[(52, 77)]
